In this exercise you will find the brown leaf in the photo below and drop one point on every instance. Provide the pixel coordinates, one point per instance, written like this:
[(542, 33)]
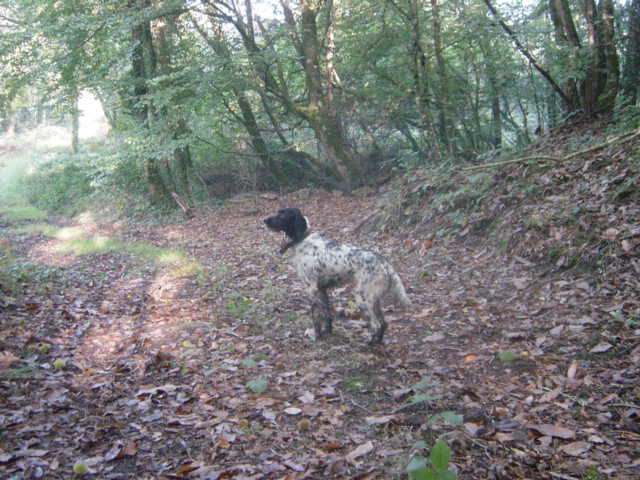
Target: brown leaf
[(551, 430), (379, 420), (185, 469), (576, 448), (472, 357), (330, 446), (6, 359), (359, 451)]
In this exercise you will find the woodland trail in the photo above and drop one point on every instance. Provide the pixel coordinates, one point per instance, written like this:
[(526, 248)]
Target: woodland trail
[(185, 357)]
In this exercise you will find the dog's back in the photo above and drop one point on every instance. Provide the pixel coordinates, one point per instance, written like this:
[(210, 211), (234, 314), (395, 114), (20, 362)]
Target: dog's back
[(336, 264)]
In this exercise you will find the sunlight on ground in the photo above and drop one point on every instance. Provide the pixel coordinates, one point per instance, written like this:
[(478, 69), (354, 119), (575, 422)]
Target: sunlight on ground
[(119, 335), (68, 233), (73, 241)]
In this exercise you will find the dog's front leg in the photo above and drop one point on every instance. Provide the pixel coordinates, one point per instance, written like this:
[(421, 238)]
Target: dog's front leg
[(321, 313)]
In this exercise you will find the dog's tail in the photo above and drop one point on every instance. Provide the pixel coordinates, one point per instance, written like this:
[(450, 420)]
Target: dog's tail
[(398, 292)]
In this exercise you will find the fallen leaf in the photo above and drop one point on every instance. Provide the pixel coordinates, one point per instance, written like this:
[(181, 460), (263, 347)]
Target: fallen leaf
[(330, 446), (6, 359), (520, 283), (551, 430), (576, 448), (379, 420), (360, 451), (436, 337), (307, 397), (472, 357), (601, 347)]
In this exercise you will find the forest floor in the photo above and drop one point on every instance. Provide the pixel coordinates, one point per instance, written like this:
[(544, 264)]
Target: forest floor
[(182, 352)]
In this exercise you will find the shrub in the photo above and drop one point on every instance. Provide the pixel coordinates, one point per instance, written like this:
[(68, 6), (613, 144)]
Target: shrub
[(61, 184)]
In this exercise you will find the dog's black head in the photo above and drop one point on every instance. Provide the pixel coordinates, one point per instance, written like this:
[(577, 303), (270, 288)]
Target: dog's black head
[(291, 222)]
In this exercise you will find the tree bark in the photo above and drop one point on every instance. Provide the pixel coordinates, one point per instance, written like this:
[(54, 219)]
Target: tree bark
[(443, 97), (421, 80), (631, 76), (75, 119), (321, 111), (143, 66), (609, 91)]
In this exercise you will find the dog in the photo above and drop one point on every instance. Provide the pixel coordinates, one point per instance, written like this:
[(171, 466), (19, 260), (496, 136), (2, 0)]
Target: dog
[(323, 264)]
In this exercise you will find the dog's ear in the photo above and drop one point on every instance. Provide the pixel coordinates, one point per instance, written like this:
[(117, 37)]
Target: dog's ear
[(300, 225)]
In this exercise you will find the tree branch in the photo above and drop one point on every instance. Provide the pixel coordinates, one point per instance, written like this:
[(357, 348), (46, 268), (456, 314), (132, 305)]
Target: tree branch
[(625, 137), (522, 49)]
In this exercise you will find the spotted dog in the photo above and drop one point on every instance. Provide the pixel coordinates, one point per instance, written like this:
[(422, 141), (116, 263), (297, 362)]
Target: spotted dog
[(323, 264)]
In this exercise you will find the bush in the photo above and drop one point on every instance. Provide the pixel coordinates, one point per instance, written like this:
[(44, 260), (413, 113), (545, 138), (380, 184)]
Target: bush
[(62, 184)]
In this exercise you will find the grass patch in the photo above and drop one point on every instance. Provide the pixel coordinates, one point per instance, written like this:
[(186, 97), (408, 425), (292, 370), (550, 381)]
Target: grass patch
[(44, 228), (184, 266), (89, 245), (22, 212)]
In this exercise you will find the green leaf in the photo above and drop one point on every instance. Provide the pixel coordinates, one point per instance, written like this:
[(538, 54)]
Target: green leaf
[(420, 445), (448, 416), (425, 382), (422, 397), (249, 363), (507, 356), (258, 385), (417, 469), (426, 474), (440, 454), (417, 462), (444, 475)]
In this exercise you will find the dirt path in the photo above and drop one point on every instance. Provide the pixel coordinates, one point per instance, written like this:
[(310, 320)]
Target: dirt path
[(185, 357)]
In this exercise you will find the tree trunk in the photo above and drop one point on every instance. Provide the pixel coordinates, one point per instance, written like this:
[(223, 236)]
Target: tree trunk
[(218, 45), (567, 36), (631, 77), (143, 65), (420, 72), (75, 120), (442, 98), (609, 89), (321, 112)]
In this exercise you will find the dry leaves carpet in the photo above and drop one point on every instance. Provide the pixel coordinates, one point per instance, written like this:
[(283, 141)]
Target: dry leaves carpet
[(143, 367)]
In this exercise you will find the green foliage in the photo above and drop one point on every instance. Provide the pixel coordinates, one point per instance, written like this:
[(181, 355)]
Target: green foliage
[(593, 473), (448, 416), (419, 469), (249, 363), (61, 184), (507, 356), (258, 385), (22, 212), (240, 306)]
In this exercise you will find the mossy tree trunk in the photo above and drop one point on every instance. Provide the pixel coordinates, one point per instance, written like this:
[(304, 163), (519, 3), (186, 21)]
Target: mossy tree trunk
[(143, 68), (631, 76)]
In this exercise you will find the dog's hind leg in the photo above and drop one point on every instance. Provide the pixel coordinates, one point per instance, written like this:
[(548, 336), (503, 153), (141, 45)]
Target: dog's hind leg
[(378, 324), (321, 313), (372, 312)]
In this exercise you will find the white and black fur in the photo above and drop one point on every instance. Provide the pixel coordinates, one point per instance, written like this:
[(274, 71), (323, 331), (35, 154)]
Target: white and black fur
[(322, 264)]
